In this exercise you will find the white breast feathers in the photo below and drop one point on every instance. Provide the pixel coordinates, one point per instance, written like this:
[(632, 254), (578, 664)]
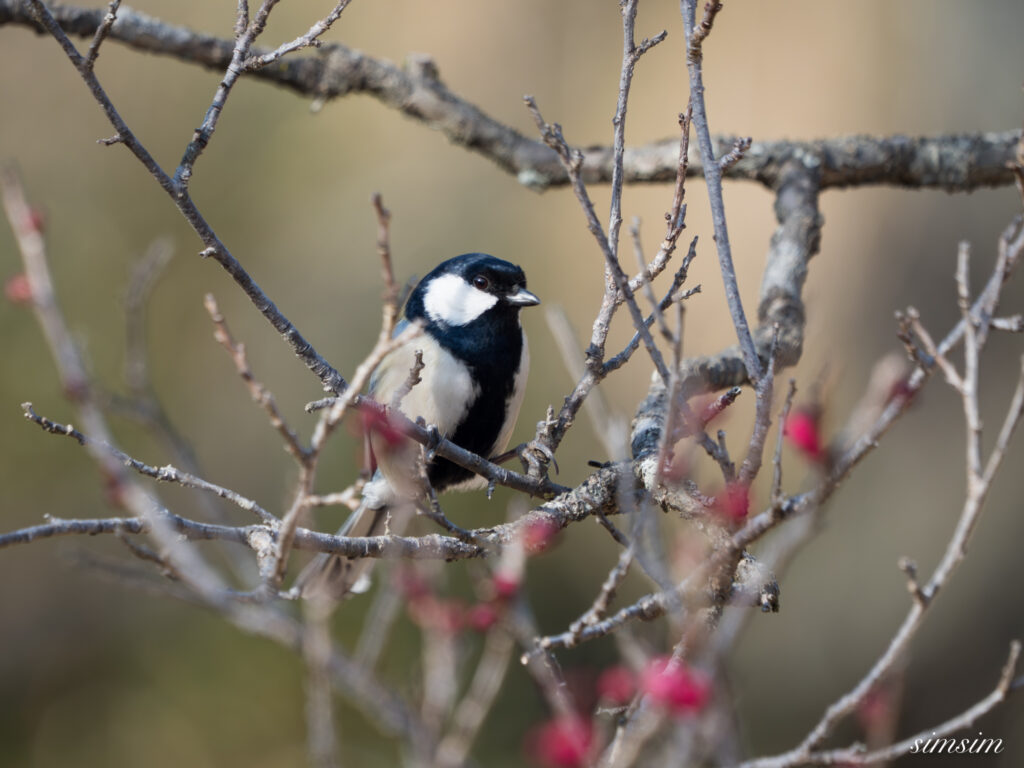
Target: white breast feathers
[(446, 391)]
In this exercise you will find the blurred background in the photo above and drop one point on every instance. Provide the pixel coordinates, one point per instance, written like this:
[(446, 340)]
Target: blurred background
[(92, 674)]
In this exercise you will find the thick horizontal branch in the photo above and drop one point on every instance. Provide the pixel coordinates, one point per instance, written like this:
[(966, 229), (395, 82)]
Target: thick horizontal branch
[(256, 536), (953, 163), (191, 529), (597, 494)]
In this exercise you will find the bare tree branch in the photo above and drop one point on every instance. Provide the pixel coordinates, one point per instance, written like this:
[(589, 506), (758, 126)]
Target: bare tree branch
[(166, 474), (259, 393), (713, 176), (101, 33), (617, 286), (437, 727), (310, 39), (858, 755), (483, 690), (953, 163), (332, 380), (978, 484), (79, 389)]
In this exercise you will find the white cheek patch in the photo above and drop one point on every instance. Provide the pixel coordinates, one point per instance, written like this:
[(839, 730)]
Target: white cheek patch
[(452, 300)]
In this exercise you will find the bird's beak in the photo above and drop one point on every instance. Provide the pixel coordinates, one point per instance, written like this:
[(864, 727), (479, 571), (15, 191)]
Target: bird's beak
[(523, 298)]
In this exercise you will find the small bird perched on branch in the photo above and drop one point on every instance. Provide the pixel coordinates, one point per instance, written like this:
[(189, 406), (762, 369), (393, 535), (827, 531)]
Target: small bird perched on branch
[(475, 363)]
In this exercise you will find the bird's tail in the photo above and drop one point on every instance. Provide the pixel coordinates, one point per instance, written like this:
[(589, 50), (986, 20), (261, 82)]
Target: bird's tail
[(335, 577)]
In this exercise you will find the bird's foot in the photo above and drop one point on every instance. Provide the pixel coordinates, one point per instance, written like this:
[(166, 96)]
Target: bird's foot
[(433, 440), (535, 457)]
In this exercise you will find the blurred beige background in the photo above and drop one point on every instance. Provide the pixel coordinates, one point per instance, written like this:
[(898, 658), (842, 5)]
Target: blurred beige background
[(93, 675)]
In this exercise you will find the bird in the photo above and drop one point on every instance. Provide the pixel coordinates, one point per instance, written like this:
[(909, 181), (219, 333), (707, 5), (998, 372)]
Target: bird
[(475, 364)]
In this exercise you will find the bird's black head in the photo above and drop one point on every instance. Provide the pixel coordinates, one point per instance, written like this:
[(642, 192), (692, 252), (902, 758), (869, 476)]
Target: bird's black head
[(464, 289)]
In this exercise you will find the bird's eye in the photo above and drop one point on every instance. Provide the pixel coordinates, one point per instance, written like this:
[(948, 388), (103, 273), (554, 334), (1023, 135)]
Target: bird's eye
[(481, 282)]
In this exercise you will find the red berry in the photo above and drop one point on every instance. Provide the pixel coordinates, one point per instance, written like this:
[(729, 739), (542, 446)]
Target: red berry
[(505, 587), (875, 710), (35, 220), (482, 616), (803, 430), (538, 535), (434, 613), (616, 685), (563, 742), (674, 686), (17, 289), (411, 584), (733, 503)]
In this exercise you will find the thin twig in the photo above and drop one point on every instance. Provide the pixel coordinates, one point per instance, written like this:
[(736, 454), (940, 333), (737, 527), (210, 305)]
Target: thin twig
[(734, 155), (858, 755), (713, 177), (259, 393), (653, 606), (553, 137), (101, 34), (390, 297), (537, 487), (631, 53), (776, 492), (348, 497), (79, 389), (596, 367), (599, 609), (384, 611), (479, 699), (977, 490), (763, 388), (672, 295), (648, 290), (321, 738), (165, 474), (605, 423), (241, 19), (695, 39), (203, 134), (310, 39), (331, 379), (144, 277), (433, 509), (410, 381)]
